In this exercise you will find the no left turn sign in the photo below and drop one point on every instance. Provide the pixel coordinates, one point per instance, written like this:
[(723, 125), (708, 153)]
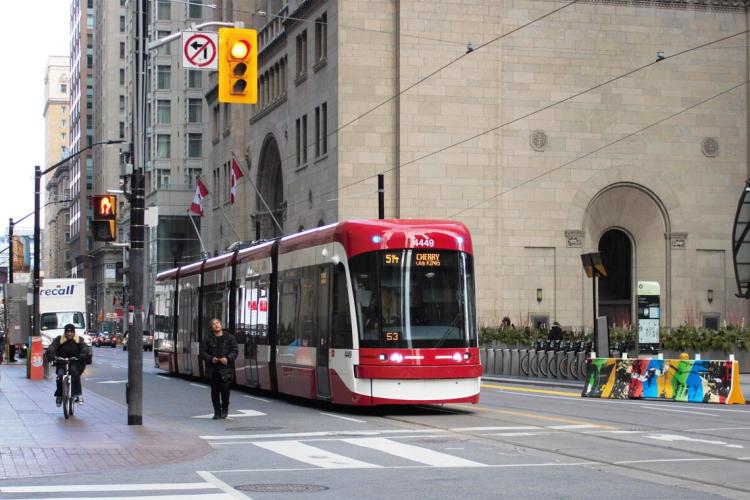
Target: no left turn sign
[(199, 50)]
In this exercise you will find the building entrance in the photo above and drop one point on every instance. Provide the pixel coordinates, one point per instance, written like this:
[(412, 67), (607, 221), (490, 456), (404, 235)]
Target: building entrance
[(615, 291)]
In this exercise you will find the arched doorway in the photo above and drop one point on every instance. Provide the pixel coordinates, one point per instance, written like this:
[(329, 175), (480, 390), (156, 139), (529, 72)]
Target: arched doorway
[(271, 186), (616, 290)]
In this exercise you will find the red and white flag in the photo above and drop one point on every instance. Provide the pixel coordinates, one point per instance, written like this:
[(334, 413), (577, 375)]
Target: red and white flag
[(200, 192), (236, 175)]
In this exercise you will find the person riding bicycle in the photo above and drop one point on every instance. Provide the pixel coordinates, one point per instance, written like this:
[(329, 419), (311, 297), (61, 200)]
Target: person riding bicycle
[(69, 345)]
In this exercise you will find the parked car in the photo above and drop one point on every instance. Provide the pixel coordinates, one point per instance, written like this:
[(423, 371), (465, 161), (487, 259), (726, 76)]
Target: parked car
[(106, 339), (148, 341)]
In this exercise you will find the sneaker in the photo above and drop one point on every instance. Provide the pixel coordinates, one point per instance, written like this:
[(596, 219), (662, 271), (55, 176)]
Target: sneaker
[(217, 415), (79, 400), (58, 401)]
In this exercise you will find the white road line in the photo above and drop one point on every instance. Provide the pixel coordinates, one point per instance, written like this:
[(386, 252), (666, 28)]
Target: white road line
[(669, 460), (719, 429), (653, 407), (518, 434), (201, 386), (677, 437), (487, 466), (257, 399), (218, 483), (508, 428), (573, 426), (314, 456), (413, 453), (200, 496), (107, 487), (322, 434), (713, 407), (343, 417), (614, 432), (318, 439)]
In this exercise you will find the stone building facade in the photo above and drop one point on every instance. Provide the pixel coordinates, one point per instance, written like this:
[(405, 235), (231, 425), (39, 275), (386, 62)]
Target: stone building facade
[(550, 129)]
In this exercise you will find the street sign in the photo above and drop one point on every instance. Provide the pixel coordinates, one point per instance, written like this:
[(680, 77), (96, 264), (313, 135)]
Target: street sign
[(199, 50)]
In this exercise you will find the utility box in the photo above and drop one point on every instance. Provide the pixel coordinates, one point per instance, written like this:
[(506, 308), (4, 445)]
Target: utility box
[(18, 314)]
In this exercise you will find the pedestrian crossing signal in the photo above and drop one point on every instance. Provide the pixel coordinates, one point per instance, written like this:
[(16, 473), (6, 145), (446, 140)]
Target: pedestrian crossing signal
[(104, 223), (238, 65)]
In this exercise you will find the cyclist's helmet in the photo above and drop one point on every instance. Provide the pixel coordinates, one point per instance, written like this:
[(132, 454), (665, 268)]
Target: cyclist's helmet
[(70, 327)]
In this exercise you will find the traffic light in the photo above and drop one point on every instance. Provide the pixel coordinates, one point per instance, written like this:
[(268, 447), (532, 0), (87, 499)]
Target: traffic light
[(104, 223), (238, 65)]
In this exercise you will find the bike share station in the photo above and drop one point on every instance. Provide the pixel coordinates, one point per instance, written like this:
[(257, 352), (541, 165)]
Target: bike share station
[(648, 376)]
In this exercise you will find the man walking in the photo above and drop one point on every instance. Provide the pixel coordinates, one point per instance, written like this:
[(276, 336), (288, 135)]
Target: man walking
[(219, 350)]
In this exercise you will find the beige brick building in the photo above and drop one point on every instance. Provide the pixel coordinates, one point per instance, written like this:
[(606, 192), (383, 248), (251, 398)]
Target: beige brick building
[(549, 129)]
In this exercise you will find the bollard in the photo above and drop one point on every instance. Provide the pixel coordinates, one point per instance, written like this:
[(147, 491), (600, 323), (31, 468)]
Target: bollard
[(507, 360), (490, 360), (498, 365), (514, 365)]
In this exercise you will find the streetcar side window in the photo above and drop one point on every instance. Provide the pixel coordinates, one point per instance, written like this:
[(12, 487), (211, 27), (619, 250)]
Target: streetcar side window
[(341, 327), (288, 305), (215, 304)]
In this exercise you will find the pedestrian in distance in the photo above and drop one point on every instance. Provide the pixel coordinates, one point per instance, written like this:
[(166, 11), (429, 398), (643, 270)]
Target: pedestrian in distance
[(219, 350), (555, 333), (69, 345)]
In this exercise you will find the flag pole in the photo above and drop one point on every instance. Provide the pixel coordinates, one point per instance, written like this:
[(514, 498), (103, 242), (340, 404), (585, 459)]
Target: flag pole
[(203, 247), (218, 205), (261, 198)]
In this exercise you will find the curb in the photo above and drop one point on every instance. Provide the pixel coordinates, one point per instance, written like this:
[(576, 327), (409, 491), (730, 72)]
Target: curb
[(534, 381)]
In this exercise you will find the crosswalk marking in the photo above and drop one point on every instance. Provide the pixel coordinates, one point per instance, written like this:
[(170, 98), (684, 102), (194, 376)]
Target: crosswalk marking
[(313, 456), (106, 487), (413, 453)]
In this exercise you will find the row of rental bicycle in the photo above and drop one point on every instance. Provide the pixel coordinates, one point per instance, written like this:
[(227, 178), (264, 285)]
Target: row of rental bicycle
[(555, 359)]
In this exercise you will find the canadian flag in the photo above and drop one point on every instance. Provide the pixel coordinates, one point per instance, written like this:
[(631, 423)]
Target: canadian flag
[(236, 175), (200, 192)]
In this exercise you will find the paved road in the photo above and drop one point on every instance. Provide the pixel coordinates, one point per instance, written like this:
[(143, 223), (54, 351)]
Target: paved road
[(521, 442)]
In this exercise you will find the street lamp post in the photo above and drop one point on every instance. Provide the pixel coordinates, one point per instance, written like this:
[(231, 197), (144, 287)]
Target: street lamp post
[(38, 173)]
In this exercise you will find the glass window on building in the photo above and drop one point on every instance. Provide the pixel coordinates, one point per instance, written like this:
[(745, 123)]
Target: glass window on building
[(321, 34), (122, 76), (162, 178), (194, 78), (194, 145), (195, 9), (122, 50), (302, 53), (166, 49), (122, 24), (163, 10), (122, 103), (195, 110), (163, 146), (163, 77), (164, 111)]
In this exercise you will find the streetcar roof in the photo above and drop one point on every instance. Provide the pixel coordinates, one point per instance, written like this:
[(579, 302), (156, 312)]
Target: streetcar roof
[(360, 236)]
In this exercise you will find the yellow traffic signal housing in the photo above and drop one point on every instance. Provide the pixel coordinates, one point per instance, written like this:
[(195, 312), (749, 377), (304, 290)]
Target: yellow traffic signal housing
[(238, 65), (104, 223)]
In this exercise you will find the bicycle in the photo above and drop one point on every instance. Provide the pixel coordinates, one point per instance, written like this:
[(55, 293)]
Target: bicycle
[(67, 387)]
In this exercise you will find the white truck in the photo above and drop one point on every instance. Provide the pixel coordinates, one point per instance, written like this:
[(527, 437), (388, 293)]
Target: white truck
[(62, 301)]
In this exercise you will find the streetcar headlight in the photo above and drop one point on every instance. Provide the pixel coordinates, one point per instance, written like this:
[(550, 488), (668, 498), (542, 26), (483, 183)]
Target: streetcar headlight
[(467, 356), (457, 357), (376, 239), (397, 357), (460, 240), (382, 357)]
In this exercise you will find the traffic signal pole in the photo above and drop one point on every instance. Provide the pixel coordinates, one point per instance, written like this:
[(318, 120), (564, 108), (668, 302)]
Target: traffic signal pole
[(134, 388)]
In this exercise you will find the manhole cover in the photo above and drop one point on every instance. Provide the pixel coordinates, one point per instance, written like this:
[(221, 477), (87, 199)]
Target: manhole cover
[(281, 488), (254, 429)]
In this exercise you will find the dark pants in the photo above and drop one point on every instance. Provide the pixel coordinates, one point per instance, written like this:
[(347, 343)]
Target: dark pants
[(219, 391), (75, 375)]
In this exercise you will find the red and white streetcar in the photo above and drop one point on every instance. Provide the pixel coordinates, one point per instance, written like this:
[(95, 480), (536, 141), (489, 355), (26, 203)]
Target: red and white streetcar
[(365, 312)]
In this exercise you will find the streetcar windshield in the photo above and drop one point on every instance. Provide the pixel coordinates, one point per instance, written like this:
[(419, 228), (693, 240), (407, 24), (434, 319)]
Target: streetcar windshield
[(414, 299)]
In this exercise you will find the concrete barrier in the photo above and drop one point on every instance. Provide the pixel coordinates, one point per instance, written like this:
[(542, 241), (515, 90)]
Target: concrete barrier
[(685, 380)]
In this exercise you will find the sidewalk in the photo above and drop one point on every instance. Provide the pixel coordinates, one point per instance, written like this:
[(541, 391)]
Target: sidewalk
[(36, 440)]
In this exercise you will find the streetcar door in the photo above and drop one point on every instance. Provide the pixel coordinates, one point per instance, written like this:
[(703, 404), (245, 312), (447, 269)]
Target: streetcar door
[(323, 331), (256, 307)]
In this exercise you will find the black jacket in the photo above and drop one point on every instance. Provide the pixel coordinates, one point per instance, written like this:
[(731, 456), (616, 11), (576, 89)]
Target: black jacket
[(65, 348), (209, 349)]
